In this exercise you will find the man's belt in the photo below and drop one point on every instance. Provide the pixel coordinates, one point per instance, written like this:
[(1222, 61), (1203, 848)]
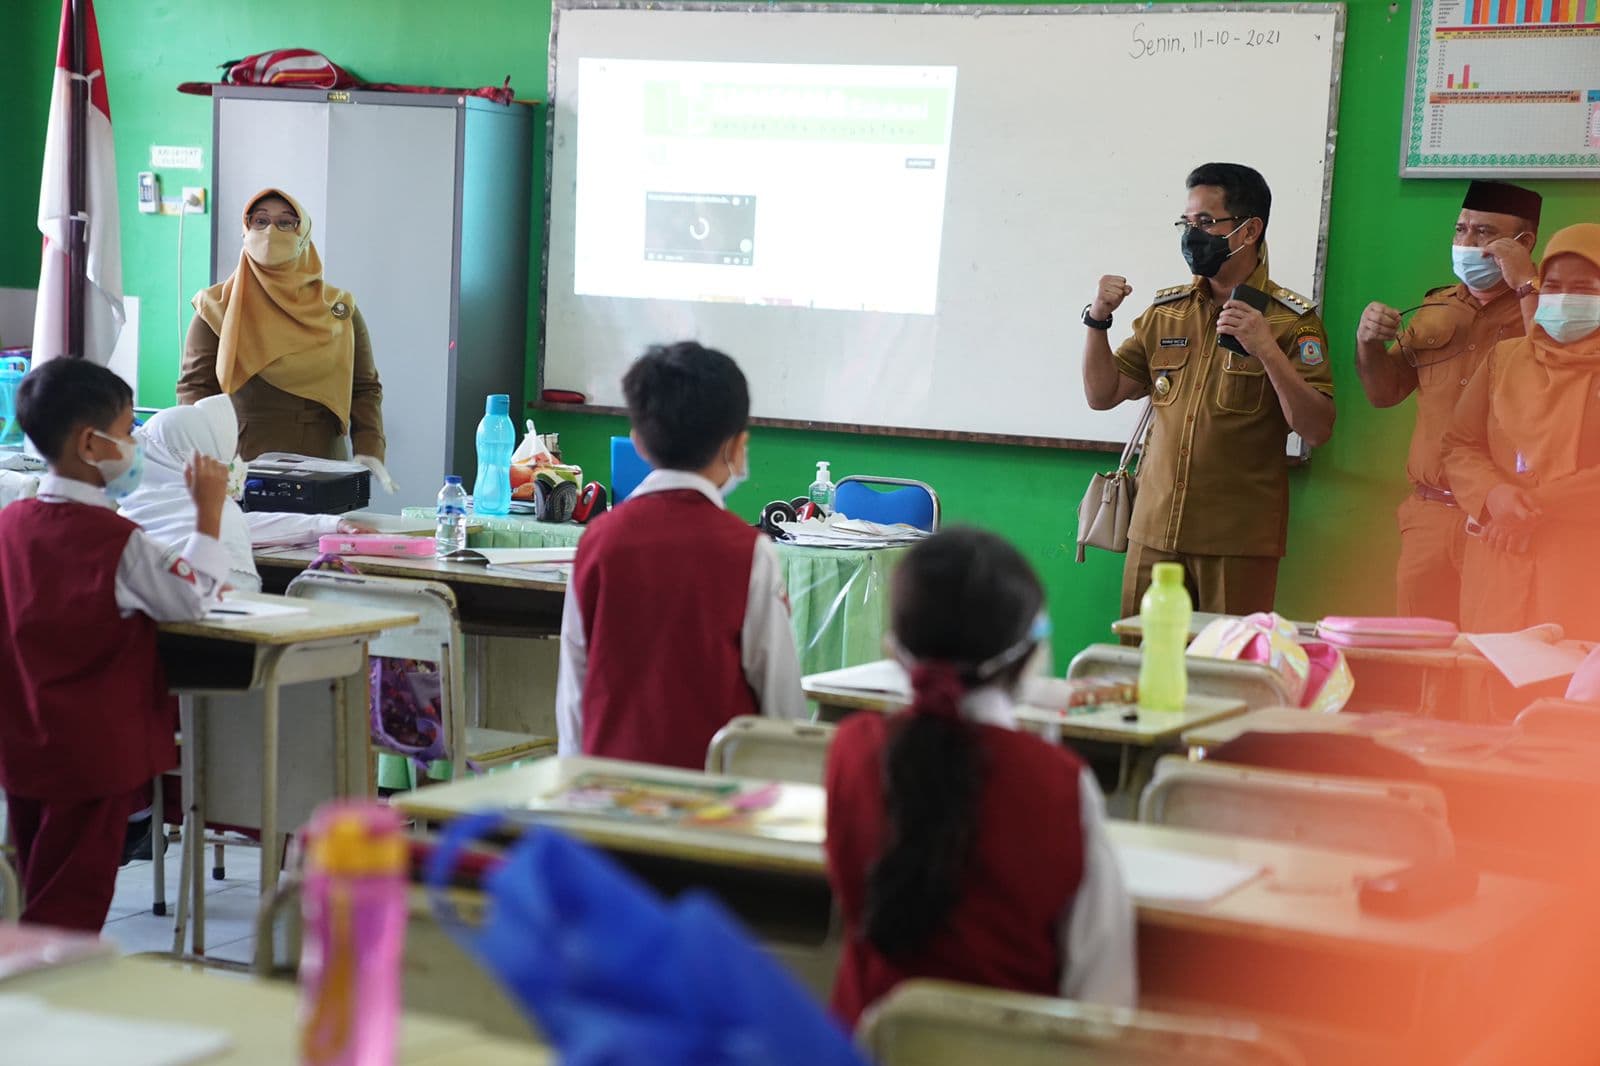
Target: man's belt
[(1433, 495)]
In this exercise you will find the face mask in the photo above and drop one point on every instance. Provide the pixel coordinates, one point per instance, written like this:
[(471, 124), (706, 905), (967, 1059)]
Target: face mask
[(1568, 316), (271, 248), (1207, 252), (237, 469), (121, 475), (736, 477), (1475, 267)]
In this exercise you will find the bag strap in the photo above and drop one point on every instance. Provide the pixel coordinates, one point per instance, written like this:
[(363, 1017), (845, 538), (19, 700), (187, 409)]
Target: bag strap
[(1136, 442)]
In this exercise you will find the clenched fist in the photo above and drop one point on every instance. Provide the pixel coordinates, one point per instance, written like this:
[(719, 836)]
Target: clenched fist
[(1379, 322), (1109, 296)]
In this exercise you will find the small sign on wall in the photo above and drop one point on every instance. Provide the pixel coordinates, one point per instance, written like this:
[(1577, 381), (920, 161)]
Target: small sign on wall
[(174, 157)]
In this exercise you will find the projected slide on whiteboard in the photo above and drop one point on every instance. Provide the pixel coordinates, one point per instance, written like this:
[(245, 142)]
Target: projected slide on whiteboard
[(775, 184)]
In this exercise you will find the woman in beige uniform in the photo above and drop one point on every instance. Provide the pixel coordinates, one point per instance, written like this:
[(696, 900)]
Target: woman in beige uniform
[(291, 350)]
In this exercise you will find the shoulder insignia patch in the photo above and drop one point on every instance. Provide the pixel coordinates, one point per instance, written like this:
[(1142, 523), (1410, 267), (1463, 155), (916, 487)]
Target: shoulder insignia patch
[(1308, 345), (1293, 300), (1171, 295)]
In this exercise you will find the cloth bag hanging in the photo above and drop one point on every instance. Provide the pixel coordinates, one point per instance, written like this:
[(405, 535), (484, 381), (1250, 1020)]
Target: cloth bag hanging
[(1107, 507)]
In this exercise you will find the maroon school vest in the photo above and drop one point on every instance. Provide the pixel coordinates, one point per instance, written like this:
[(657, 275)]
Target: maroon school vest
[(662, 583), (1019, 883), (84, 710)]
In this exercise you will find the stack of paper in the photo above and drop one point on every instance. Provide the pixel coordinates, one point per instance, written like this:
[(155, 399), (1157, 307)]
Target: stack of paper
[(1156, 874), (1526, 659), (839, 532)]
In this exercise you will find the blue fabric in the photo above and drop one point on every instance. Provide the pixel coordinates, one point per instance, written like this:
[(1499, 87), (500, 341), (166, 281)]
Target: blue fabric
[(616, 977), (628, 468), (908, 504)]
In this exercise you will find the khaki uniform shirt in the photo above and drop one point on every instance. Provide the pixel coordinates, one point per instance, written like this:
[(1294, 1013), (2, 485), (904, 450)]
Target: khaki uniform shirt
[(1214, 479), (272, 420), (1448, 339)]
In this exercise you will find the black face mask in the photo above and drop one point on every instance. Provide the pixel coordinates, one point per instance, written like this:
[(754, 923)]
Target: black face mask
[(1205, 252)]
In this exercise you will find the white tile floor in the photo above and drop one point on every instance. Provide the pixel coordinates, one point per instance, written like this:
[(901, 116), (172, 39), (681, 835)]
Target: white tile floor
[(230, 906)]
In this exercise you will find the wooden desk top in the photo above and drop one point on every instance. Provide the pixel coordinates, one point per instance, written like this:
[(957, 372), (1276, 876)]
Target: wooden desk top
[(788, 841), (260, 1015), (1304, 896), (1451, 751), (1106, 724), (429, 569), (317, 621)]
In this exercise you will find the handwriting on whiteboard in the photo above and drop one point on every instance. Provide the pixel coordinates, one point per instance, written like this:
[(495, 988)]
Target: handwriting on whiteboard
[(1146, 43)]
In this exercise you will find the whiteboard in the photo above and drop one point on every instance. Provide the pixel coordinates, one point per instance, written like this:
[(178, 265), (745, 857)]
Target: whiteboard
[(1503, 88), (1072, 131)]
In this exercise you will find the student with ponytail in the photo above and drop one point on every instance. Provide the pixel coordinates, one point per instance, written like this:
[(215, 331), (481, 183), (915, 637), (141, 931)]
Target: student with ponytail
[(958, 847)]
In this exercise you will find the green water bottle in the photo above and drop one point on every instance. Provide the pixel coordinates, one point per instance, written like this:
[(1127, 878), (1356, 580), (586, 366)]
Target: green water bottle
[(1164, 620)]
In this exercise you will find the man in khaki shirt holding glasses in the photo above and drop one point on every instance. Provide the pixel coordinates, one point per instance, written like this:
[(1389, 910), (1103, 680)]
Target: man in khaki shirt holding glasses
[(1213, 479), (1435, 354)]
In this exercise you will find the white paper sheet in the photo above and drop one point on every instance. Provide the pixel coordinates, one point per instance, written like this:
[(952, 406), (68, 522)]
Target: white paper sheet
[(1176, 877), (249, 610), (886, 675), (1524, 659), (523, 556), (41, 1035)]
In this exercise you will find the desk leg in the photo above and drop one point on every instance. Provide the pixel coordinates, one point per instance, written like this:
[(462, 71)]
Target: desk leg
[(194, 834), (270, 859)]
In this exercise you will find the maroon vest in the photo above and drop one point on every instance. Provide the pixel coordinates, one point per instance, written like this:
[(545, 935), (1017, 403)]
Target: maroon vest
[(1019, 884), (84, 710), (662, 583)]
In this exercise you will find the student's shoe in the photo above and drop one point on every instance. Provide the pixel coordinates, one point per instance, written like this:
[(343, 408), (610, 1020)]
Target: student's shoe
[(136, 841)]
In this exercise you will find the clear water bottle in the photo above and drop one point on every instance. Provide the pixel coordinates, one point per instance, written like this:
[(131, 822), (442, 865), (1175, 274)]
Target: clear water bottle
[(497, 439), (821, 492), (1164, 619), (450, 517), (354, 904)]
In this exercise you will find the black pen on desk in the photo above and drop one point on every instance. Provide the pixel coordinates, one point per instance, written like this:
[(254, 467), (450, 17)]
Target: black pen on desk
[(227, 610)]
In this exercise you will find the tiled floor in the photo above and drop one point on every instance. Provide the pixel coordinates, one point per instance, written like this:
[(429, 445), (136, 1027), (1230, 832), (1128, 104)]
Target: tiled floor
[(230, 906)]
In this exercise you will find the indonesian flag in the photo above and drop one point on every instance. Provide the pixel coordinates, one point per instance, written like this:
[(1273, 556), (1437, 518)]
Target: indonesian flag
[(102, 291)]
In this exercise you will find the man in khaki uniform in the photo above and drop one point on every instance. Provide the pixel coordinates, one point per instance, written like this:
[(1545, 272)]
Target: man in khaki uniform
[(1447, 339), (1213, 480)]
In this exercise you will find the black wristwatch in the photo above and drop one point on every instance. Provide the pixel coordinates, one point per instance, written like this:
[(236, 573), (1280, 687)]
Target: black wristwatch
[(1095, 323)]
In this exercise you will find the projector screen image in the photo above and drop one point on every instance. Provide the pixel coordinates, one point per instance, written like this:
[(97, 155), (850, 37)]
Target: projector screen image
[(769, 184)]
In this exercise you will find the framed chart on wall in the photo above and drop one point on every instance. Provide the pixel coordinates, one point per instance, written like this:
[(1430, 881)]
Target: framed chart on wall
[(1503, 88)]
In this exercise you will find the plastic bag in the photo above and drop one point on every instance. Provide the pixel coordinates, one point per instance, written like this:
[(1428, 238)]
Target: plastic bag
[(1313, 671), (616, 976)]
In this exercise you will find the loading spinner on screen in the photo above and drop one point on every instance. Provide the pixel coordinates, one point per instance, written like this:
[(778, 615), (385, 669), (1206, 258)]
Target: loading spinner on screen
[(689, 227)]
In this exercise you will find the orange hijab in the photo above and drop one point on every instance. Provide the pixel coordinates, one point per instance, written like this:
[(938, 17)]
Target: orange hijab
[(282, 321), (1545, 388)]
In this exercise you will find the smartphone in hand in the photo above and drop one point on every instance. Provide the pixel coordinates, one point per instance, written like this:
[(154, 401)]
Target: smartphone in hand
[(1255, 298)]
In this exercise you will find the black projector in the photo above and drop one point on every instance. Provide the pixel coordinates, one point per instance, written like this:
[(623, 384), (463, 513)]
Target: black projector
[(306, 491)]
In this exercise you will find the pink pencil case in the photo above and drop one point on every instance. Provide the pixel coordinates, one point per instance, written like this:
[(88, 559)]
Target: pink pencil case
[(376, 544), (1387, 632)]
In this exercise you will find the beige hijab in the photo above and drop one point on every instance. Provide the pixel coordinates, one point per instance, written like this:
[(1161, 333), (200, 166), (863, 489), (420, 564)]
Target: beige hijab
[(1545, 387), (283, 322)]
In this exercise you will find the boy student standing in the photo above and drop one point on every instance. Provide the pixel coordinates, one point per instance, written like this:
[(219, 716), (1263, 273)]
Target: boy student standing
[(85, 717), (676, 616)]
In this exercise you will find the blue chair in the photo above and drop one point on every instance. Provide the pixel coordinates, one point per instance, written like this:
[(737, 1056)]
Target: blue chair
[(628, 468), (888, 501)]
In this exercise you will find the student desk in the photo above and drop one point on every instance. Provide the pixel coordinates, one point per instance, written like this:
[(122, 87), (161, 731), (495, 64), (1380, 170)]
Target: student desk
[(231, 677), (1516, 802), (261, 1016), (1292, 942), (838, 597), (1432, 679), (1138, 735)]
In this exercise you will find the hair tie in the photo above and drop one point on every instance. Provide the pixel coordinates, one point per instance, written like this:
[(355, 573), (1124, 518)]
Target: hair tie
[(937, 689)]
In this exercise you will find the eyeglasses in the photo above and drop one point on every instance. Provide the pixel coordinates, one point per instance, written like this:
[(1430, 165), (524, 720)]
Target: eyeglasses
[(284, 225), (1206, 221), (1414, 359)]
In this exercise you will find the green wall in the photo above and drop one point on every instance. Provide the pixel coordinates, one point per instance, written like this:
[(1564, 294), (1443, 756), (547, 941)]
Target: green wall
[(1388, 241)]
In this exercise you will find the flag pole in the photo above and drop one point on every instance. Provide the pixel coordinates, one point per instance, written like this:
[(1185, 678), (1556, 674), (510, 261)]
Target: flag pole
[(77, 184)]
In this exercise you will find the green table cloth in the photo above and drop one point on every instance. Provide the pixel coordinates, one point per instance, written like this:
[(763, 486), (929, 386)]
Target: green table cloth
[(838, 597)]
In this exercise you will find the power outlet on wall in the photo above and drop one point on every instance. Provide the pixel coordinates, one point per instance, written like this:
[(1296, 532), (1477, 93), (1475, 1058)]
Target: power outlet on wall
[(194, 199)]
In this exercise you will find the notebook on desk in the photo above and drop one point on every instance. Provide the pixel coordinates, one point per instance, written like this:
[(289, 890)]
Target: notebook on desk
[(39, 1034)]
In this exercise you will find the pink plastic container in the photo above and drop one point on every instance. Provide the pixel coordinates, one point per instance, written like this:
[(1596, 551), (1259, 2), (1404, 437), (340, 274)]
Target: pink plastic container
[(1354, 632), (376, 544)]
